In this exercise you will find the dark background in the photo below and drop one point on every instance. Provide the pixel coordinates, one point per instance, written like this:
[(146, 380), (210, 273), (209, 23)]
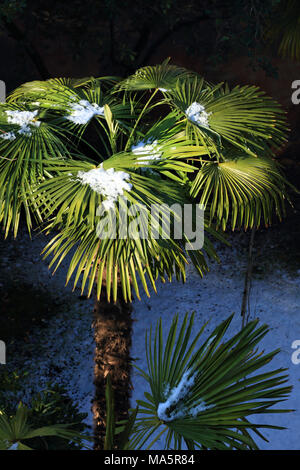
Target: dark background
[(225, 40)]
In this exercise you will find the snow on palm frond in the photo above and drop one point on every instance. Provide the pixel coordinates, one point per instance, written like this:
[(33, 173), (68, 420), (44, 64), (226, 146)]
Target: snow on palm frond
[(85, 144), (22, 121), (197, 114), (71, 101), (147, 150), (201, 394), (75, 194), (83, 111), (243, 116), (26, 140), (109, 183)]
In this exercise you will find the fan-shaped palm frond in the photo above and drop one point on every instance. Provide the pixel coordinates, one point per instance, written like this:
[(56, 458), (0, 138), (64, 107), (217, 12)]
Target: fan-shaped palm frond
[(163, 77), (26, 139), (40, 88), (244, 116), (74, 102), (117, 254), (165, 140), (203, 395), (35, 124), (16, 429), (242, 189)]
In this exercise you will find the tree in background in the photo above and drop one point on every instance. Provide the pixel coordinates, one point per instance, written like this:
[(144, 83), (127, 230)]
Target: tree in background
[(123, 35)]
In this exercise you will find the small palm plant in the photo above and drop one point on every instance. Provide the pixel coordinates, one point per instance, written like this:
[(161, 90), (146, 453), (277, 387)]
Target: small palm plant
[(15, 429), (201, 395), (72, 149)]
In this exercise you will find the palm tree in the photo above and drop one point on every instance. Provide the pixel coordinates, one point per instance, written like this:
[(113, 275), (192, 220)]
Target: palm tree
[(162, 136)]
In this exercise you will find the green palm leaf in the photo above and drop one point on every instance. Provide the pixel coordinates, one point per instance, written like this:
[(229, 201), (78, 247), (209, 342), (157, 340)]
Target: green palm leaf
[(37, 89), (244, 116), (72, 105), (163, 76), (173, 159), (242, 190), (15, 429), (21, 166), (203, 395), (117, 435), (75, 207)]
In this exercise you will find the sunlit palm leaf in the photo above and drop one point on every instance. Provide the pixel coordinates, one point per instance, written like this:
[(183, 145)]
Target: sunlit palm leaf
[(244, 116), (21, 167), (159, 155), (163, 76), (57, 97), (243, 191), (40, 88), (75, 207)]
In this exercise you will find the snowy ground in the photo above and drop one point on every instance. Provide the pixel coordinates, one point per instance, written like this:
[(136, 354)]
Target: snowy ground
[(62, 350), (275, 300)]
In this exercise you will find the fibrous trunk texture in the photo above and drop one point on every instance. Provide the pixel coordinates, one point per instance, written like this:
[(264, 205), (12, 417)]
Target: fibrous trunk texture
[(112, 333)]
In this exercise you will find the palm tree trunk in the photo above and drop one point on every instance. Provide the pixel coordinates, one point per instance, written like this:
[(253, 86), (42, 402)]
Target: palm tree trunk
[(112, 334)]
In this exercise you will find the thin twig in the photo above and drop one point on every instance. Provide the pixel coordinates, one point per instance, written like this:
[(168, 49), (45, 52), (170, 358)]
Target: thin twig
[(248, 275)]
